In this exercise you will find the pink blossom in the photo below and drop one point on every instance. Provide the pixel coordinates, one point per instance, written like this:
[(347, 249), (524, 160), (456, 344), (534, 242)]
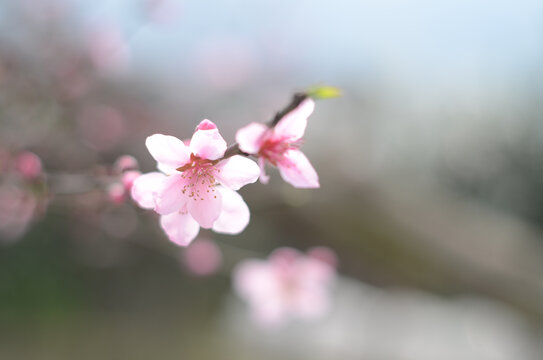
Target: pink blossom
[(125, 163), (108, 48), (196, 188), (287, 285), (116, 193), (279, 146), (28, 165), (128, 178), (203, 257)]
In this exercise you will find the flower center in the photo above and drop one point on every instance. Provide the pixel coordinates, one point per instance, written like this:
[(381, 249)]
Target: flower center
[(274, 149), (199, 175)]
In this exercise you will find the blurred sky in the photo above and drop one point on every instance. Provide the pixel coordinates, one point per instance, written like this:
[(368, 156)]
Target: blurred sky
[(448, 45)]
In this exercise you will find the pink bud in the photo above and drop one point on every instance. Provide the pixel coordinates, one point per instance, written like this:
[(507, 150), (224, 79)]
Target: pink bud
[(116, 193), (124, 163), (28, 165), (206, 125), (128, 179), (324, 254), (203, 257)]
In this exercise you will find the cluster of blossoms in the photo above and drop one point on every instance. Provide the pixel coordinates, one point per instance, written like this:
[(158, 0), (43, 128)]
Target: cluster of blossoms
[(198, 179), (196, 187), (126, 170), (289, 284)]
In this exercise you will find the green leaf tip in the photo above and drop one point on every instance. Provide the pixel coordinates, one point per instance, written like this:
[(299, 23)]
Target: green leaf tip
[(323, 92)]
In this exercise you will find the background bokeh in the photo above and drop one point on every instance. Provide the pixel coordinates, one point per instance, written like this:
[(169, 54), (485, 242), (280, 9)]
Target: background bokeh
[(430, 165)]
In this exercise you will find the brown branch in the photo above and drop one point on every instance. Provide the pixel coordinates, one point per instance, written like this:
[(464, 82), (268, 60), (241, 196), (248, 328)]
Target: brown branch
[(297, 99)]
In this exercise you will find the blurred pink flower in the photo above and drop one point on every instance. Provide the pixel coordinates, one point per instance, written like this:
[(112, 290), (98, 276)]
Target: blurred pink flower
[(17, 209), (116, 193), (279, 146), (324, 254), (287, 285), (125, 163), (128, 178), (107, 47), (203, 257), (189, 195), (28, 165), (102, 127)]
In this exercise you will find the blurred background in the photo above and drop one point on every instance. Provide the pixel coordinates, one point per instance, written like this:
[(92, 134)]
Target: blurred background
[(431, 169)]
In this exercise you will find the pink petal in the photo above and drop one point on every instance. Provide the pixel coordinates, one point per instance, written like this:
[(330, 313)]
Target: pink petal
[(251, 137), (145, 188), (316, 272), (203, 257), (296, 169), (264, 178), (251, 279), (116, 193), (234, 215), (255, 283), (270, 312), (323, 254), (205, 208), (293, 124), (125, 163), (181, 228), (237, 171), (129, 177), (168, 150), (167, 169), (169, 197), (284, 256), (311, 302), (207, 143), (206, 125)]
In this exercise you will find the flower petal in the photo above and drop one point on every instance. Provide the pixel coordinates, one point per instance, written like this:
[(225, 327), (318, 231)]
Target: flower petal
[(207, 143), (237, 171), (168, 150), (145, 188), (169, 198), (181, 228), (205, 207), (167, 169), (293, 124), (251, 137), (234, 215), (296, 169), (264, 178), (251, 278)]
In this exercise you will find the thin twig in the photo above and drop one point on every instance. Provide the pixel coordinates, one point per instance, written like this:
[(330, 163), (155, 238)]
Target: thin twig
[(297, 99)]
